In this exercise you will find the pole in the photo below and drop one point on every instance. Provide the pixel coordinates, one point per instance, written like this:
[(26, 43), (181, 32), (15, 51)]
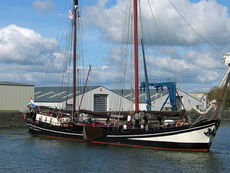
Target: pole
[(74, 59), (146, 78), (82, 96), (136, 56)]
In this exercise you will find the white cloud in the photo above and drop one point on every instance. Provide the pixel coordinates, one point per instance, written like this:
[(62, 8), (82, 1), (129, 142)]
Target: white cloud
[(204, 59), (191, 61), (43, 5), (190, 69), (26, 56), (208, 76), (205, 21), (24, 46)]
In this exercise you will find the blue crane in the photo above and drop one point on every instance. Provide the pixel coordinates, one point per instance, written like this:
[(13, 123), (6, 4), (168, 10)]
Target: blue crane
[(170, 85), (172, 92)]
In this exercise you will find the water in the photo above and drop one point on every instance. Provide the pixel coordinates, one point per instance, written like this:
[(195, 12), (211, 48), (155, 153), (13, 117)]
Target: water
[(21, 152)]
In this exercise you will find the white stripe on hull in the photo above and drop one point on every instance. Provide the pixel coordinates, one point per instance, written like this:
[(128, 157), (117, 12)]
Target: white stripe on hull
[(196, 136), (54, 131)]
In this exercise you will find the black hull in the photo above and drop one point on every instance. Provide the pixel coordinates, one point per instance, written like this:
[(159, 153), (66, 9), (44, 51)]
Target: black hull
[(174, 146), (139, 138), (67, 133)]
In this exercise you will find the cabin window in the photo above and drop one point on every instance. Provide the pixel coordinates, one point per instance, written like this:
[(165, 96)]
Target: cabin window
[(100, 102)]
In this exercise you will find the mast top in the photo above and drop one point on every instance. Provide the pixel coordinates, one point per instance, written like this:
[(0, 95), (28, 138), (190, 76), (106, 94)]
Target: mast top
[(76, 2)]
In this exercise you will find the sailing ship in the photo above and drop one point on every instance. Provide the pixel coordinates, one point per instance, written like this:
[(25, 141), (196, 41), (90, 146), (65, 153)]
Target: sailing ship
[(170, 135)]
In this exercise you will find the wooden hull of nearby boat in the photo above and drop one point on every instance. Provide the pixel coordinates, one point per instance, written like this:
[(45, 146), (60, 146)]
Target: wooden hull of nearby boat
[(188, 138)]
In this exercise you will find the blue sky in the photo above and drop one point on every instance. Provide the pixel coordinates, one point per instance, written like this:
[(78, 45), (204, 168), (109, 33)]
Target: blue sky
[(32, 32)]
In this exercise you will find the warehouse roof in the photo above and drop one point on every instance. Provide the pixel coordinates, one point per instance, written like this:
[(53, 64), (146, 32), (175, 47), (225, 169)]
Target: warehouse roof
[(61, 94), (126, 93), (13, 83), (58, 94)]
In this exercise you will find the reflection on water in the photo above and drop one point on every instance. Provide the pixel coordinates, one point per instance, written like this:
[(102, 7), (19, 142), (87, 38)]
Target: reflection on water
[(21, 152)]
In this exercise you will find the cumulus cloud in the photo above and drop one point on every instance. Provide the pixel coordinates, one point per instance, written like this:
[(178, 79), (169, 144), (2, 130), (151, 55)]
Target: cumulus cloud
[(43, 5), (24, 46), (187, 30), (24, 54), (204, 21), (27, 56)]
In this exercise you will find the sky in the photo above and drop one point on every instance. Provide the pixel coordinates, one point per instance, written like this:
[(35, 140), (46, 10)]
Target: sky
[(184, 39)]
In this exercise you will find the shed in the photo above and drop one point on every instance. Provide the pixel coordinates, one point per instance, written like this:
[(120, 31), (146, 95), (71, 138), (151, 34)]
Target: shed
[(15, 96)]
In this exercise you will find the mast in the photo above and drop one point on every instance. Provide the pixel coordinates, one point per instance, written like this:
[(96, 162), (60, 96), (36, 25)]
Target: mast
[(136, 56), (74, 57)]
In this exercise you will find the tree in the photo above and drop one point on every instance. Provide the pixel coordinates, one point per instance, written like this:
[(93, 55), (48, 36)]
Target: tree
[(215, 93)]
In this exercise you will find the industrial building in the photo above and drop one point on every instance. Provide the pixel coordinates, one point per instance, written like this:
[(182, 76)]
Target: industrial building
[(95, 98), (15, 96), (99, 98)]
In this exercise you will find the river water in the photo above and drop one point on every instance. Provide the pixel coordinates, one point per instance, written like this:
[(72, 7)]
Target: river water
[(21, 152)]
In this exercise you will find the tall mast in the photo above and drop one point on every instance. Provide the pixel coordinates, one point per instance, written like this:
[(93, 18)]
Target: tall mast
[(136, 56), (74, 56)]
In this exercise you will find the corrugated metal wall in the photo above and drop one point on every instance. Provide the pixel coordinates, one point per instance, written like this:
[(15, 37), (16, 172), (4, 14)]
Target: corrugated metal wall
[(15, 97)]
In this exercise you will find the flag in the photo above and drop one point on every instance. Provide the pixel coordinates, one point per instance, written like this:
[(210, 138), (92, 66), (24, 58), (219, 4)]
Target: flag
[(32, 102), (70, 15)]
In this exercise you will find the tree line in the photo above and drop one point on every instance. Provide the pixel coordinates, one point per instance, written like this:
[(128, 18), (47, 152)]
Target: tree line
[(215, 93)]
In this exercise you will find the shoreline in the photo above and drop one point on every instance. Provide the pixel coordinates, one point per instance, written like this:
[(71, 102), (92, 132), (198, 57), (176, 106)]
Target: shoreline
[(12, 119)]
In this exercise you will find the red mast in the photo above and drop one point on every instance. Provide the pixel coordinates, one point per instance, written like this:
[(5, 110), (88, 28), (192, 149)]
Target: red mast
[(136, 56), (74, 56)]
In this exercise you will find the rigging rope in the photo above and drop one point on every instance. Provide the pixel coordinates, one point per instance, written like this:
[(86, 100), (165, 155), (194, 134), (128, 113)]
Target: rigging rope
[(194, 30), (124, 57), (218, 51), (50, 67), (157, 23)]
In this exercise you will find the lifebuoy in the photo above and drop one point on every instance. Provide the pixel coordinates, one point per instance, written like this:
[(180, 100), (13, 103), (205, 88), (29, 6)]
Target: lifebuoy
[(177, 124)]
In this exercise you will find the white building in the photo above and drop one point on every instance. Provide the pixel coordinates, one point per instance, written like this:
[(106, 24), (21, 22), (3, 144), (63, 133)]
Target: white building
[(182, 101), (98, 98), (102, 99)]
